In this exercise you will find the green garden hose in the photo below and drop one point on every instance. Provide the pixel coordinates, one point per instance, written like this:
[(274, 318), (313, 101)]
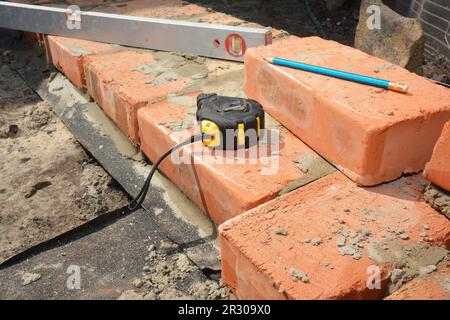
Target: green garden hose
[(314, 20)]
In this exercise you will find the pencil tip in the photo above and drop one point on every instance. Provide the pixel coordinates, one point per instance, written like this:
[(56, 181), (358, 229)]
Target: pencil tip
[(268, 59)]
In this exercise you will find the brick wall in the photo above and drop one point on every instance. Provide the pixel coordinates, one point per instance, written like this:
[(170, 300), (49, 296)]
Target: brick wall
[(435, 18)]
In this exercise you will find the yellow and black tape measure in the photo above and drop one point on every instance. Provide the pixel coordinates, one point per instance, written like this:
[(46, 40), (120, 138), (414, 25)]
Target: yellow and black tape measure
[(226, 123), (231, 122)]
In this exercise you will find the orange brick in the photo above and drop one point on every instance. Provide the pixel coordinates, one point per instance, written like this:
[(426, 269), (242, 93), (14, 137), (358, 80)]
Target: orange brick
[(67, 54), (437, 169), (174, 9), (315, 220), (171, 9), (372, 135), (124, 81), (83, 3), (434, 286), (223, 190)]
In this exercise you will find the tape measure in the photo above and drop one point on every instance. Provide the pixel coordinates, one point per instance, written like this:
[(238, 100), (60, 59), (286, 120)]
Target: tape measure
[(226, 123), (231, 123)]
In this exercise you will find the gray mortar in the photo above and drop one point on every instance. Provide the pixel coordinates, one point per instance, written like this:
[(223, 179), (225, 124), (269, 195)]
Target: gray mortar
[(171, 66), (409, 261), (438, 199), (281, 231), (215, 84), (397, 275), (79, 51), (108, 128), (193, 70), (327, 265), (187, 101), (313, 166), (316, 241), (428, 269), (412, 260), (350, 243), (340, 241), (298, 275)]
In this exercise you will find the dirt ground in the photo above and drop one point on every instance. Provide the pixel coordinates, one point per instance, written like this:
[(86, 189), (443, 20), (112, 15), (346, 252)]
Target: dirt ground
[(49, 183), (125, 257)]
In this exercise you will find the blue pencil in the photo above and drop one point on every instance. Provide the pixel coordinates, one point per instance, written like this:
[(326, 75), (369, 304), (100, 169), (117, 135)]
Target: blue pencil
[(385, 84)]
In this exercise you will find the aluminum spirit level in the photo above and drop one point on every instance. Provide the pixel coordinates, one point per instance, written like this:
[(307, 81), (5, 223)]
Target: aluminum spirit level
[(204, 39)]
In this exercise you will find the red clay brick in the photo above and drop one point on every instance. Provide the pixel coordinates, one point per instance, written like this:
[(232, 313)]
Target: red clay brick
[(437, 169), (434, 286), (67, 54), (124, 81), (257, 262), (83, 3), (222, 190), (175, 9), (166, 9), (372, 135)]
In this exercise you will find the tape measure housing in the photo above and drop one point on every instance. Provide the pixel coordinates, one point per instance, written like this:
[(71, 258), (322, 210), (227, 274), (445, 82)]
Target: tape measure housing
[(232, 122)]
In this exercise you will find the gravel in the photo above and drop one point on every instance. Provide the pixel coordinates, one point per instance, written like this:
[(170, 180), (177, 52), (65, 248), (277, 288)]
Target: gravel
[(299, 275), (428, 269), (397, 274), (340, 241), (316, 241), (29, 277)]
